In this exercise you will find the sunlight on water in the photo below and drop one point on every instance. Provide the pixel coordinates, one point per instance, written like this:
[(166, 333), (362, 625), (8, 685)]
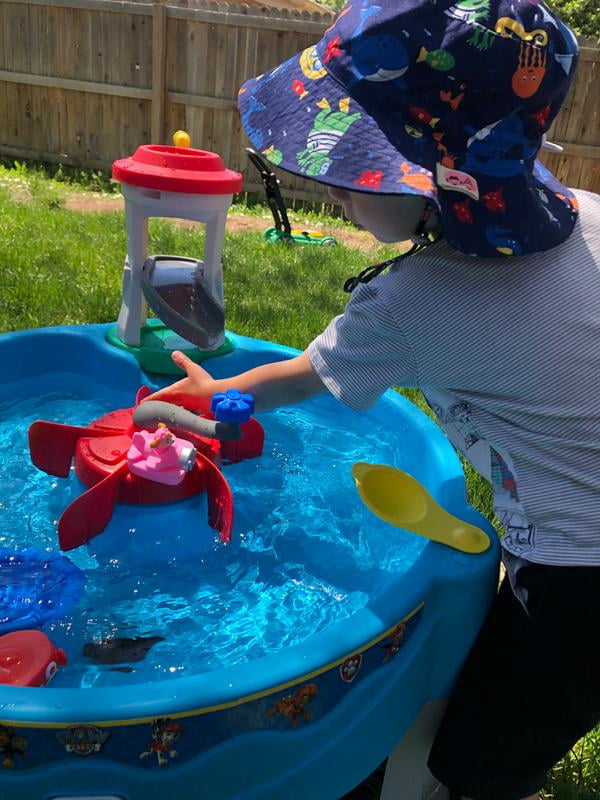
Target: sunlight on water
[(306, 553)]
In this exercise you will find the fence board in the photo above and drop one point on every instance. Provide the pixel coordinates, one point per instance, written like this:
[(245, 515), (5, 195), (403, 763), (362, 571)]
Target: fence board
[(87, 81), (159, 66), (577, 127)]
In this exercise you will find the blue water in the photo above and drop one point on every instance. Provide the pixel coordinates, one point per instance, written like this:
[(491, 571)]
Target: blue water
[(306, 553)]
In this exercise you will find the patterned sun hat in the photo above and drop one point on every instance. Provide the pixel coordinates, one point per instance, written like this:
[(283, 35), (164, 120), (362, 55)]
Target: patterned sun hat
[(449, 100)]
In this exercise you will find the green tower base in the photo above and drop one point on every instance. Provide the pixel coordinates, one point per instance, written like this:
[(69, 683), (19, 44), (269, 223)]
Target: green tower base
[(157, 342)]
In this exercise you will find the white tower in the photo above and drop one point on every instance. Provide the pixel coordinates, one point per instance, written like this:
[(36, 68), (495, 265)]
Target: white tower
[(186, 294)]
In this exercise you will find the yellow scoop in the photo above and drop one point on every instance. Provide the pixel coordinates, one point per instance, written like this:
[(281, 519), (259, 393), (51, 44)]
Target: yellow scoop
[(398, 498)]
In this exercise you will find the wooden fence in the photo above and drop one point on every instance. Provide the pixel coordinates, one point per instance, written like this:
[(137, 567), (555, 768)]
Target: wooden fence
[(86, 81), (577, 126)]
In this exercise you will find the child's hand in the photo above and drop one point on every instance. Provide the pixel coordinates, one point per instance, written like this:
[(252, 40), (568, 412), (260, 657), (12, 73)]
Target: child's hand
[(278, 383), (193, 392)]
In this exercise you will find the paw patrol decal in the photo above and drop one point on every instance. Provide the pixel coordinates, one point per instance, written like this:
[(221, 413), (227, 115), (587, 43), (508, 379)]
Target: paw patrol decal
[(293, 706), (350, 667), (82, 740), (11, 745), (393, 644), (165, 732)]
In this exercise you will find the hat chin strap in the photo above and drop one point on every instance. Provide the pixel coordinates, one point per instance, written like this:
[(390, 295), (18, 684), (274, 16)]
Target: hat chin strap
[(428, 228), (421, 239)]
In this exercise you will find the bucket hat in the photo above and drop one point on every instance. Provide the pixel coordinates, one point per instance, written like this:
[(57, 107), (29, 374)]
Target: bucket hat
[(448, 100)]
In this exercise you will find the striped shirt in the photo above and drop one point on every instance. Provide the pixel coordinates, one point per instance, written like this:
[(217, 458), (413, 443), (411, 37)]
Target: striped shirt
[(507, 353)]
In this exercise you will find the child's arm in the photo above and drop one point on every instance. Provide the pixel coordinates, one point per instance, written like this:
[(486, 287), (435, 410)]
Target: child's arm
[(278, 384)]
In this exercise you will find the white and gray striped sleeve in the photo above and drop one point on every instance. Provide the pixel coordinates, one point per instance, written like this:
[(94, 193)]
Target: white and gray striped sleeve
[(364, 351)]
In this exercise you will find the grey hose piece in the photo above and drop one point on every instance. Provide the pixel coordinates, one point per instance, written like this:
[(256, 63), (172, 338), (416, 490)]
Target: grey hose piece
[(150, 413)]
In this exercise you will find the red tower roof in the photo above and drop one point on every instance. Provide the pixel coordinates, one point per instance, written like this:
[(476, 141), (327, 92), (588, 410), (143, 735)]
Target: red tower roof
[(177, 169)]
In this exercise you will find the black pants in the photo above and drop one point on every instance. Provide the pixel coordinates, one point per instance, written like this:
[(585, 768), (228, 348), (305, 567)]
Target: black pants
[(529, 690)]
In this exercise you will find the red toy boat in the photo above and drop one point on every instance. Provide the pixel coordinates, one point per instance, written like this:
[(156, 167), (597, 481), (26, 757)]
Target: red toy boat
[(29, 658), (100, 459)]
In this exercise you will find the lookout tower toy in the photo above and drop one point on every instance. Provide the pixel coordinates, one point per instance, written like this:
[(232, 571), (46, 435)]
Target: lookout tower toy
[(186, 294)]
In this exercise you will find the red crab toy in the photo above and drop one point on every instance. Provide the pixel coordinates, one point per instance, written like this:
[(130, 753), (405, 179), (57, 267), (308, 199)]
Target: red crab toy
[(100, 453)]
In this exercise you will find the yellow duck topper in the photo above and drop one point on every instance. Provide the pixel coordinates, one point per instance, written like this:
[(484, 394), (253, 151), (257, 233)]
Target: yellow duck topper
[(181, 139)]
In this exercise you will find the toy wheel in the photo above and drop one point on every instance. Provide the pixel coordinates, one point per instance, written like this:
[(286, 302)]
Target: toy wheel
[(329, 243)]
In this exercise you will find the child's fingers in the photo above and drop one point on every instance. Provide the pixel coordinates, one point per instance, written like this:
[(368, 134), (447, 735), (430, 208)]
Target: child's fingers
[(194, 371), (182, 361), (170, 394), (182, 394)]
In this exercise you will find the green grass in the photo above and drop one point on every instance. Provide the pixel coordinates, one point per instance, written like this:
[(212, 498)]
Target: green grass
[(75, 178), (59, 267), (63, 267)]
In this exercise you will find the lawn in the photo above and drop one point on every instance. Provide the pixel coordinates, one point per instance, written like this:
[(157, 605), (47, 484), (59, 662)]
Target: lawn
[(64, 267)]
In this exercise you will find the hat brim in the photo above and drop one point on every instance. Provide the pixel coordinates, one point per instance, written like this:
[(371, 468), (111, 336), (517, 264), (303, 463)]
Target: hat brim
[(306, 123)]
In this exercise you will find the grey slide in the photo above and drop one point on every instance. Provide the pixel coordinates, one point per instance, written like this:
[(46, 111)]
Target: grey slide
[(175, 290)]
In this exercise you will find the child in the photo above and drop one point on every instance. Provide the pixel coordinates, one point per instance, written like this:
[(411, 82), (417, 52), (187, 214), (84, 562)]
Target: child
[(424, 118)]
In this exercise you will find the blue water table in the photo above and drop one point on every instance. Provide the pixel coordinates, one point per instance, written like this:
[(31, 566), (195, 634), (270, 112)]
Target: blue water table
[(282, 651)]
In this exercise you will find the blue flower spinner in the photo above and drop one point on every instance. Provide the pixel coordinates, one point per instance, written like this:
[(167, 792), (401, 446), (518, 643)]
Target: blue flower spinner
[(232, 406)]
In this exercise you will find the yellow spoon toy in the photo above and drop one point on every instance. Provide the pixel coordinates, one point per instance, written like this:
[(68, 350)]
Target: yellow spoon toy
[(398, 498)]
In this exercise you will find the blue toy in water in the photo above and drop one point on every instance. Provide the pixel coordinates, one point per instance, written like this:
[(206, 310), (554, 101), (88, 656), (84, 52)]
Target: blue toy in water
[(36, 588)]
